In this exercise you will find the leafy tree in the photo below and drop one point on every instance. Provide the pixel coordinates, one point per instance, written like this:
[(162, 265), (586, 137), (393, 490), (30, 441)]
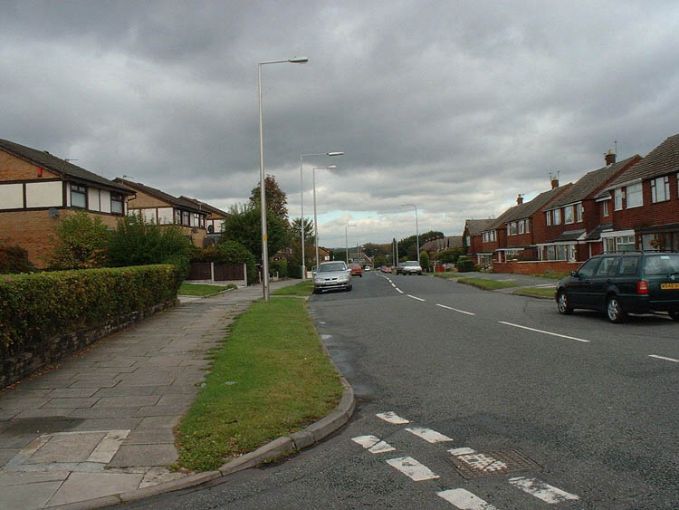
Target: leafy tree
[(244, 225), (81, 242), (424, 260), (449, 256), (276, 199), (14, 259)]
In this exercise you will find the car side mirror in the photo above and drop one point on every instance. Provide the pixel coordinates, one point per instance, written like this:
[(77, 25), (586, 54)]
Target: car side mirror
[(574, 274)]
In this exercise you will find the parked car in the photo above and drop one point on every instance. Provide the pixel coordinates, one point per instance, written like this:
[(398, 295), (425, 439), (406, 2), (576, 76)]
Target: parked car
[(622, 283), (411, 267), (356, 270), (332, 276)]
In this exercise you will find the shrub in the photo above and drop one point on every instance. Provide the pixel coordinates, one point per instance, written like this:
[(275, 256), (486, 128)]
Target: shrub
[(36, 307), (229, 252), (464, 264), (81, 243), (424, 260), (14, 259), (280, 267)]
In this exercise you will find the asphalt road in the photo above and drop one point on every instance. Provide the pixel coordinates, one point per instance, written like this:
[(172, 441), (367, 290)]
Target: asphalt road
[(573, 407)]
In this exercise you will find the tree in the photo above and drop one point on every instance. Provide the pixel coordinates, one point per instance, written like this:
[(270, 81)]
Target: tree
[(276, 199), (424, 260), (81, 243), (244, 225)]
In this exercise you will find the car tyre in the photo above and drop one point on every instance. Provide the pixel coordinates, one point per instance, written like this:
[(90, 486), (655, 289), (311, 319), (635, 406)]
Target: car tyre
[(614, 310), (349, 288), (563, 304), (674, 316)]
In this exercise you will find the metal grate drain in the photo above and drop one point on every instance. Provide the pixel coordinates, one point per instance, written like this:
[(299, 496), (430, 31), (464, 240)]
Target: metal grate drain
[(500, 462)]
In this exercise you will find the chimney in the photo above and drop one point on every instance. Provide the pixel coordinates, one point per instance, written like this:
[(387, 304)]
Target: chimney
[(519, 199), (555, 183), (610, 157)]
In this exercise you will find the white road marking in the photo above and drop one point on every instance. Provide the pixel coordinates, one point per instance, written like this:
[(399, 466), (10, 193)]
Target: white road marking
[(392, 417), (542, 490), (373, 444), (399, 290), (461, 451), (455, 309), (465, 500), (663, 357), (544, 332), (412, 469), (482, 462), (393, 285), (429, 435), (415, 297)]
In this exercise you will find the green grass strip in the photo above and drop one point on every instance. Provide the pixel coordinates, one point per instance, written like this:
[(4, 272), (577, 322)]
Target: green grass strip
[(485, 284), (201, 289), (449, 275), (270, 378), (301, 289), (536, 292)]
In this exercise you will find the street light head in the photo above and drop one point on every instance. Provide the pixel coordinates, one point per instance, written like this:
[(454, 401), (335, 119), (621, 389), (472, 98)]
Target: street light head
[(338, 153), (298, 60), (331, 167)]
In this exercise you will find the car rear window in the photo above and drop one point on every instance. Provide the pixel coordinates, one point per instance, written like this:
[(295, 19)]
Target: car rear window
[(608, 266), (661, 264), (628, 266)]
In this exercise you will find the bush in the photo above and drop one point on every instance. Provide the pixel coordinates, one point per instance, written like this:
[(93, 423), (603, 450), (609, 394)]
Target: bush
[(14, 259), (424, 260), (37, 307), (280, 267), (81, 243), (464, 264)]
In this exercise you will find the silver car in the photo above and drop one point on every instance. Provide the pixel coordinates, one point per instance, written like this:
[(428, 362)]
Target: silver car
[(331, 276), (411, 267)]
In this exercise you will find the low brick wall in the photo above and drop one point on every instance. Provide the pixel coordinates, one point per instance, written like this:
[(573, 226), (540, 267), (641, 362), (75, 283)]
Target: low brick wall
[(34, 357), (535, 267)]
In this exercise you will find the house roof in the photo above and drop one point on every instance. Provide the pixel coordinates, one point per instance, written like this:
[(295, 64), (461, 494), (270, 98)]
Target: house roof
[(662, 160), (443, 243), (475, 227), (591, 182), (570, 235), (60, 166), (529, 208), (161, 195), (500, 220), (205, 207), (595, 234)]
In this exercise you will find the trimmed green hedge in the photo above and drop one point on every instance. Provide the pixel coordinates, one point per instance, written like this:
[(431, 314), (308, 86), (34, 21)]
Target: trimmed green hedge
[(37, 307)]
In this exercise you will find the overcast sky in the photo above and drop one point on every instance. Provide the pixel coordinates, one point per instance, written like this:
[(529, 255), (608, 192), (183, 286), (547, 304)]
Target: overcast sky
[(454, 106)]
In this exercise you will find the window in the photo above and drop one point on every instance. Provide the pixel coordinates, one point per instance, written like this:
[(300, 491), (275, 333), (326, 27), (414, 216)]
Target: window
[(78, 196), (579, 211), (568, 215), (635, 196), (557, 216), (177, 217), (604, 208), (628, 266), (618, 199), (587, 270), (186, 218), (527, 226), (116, 203), (625, 243), (522, 227), (548, 218), (660, 189), (608, 266), (512, 228)]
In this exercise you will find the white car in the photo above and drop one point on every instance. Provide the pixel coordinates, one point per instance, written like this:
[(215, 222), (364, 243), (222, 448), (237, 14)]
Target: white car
[(411, 267), (332, 276)]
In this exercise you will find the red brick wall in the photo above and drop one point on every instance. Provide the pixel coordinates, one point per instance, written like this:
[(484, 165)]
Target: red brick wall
[(15, 169), (649, 214), (520, 240), (535, 267)]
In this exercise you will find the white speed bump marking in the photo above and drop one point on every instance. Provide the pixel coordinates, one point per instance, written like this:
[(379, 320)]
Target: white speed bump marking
[(429, 435), (373, 444), (392, 417), (482, 462), (412, 469), (461, 451), (465, 500), (663, 357), (544, 332), (541, 490)]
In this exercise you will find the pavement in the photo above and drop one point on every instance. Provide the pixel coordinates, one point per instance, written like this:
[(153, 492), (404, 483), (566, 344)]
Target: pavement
[(521, 280), (101, 423)]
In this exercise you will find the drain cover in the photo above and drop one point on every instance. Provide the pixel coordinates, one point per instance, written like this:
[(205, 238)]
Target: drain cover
[(474, 465)]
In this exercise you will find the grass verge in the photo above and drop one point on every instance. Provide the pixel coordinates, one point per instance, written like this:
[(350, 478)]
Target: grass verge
[(536, 292), (485, 284), (201, 289), (269, 379), (301, 289), (449, 275)]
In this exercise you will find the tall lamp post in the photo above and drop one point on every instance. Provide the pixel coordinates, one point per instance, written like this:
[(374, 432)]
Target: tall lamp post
[(417, 232), (346, 239), (301, 197), (313, 178), (262, 186)]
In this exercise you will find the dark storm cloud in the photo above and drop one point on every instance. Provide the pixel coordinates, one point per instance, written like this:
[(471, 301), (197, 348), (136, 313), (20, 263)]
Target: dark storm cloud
[(457, 106)]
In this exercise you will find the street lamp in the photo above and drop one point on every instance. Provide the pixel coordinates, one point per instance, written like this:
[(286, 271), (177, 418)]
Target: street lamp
[(417, 231), (262, 186), (301, 196), (313, 178), (346, 239)]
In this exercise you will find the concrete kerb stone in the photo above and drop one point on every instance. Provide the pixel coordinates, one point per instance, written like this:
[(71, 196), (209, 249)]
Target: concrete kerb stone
[(172, 486), (90, 504)]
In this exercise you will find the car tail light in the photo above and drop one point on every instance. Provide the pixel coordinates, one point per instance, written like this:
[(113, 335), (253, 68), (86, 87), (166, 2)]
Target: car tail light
[(642, 287)]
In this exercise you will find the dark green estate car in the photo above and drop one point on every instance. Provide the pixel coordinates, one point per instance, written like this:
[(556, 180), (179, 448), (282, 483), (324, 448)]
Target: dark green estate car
[(622, 283)]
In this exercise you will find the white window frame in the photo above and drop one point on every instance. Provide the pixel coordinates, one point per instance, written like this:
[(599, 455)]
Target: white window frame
[(568, 215), (660, 184), (604, 206), (579, 212), (522, 227), (80, 191), (634, 196), (557, 216), (548, 218), (618, 194)]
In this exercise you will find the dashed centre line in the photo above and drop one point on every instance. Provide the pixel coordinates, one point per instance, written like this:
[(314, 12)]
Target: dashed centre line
[(541, 490), (465, 500), (544, 332), (415, 297), (454, 309), (663, 358)]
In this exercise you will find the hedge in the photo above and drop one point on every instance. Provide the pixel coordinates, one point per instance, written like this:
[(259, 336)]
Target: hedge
[(35, 308)]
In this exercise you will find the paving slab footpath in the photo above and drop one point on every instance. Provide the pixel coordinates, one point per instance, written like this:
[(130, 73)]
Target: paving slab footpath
[(101, 423)]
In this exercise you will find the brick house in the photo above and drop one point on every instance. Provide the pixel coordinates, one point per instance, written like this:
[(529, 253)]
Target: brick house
[(214, 220), (524, 225), (574, 221), (645, 202), (161, 208), (38, 190), (472, 240), (493, 237)]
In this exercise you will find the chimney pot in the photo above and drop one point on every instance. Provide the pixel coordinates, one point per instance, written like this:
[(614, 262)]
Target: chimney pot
[(519, 199), (610, 157), (555, 183)]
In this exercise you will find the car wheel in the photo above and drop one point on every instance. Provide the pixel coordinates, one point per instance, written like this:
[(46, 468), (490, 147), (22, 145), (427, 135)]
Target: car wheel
[(563, 304), (674, 316), (614, 310), (349, 288), (317, 291)]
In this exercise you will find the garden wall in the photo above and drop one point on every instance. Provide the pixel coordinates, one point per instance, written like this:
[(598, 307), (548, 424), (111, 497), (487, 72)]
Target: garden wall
[(535, 267)]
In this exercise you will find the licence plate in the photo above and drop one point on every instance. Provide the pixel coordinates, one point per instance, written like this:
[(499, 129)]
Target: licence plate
[(669, 286)]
